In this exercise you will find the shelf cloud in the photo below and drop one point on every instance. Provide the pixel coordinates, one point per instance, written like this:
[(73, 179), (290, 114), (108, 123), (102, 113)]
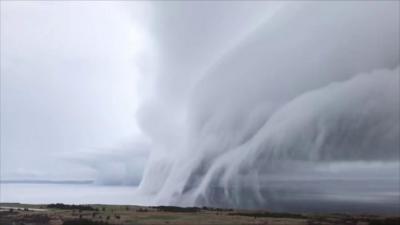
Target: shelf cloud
[(303, 89)]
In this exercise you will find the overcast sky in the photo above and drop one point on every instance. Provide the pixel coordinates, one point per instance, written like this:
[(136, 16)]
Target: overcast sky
[(69, 87), (74, 73)]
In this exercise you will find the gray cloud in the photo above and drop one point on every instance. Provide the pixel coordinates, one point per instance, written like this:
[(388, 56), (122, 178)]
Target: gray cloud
[(311, 86), (121, 165)]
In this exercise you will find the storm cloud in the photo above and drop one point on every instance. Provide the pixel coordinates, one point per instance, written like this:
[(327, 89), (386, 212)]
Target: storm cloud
[(298, 90)]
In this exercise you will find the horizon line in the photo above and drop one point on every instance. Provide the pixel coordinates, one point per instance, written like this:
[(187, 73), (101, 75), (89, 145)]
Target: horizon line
[(44, 181)]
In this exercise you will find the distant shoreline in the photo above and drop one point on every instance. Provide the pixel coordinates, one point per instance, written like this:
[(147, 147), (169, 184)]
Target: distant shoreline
[(46, 182)]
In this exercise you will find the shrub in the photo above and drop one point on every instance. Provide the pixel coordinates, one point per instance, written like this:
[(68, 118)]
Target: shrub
[(177, 209), (73, 207), (84, 222), (387, 221), (269, 214)]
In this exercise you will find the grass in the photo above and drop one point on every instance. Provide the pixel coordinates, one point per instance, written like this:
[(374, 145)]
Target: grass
[(138, 215), (269, 214)]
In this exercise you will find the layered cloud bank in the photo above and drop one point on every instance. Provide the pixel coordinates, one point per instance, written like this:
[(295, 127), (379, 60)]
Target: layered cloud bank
[(292, 99)]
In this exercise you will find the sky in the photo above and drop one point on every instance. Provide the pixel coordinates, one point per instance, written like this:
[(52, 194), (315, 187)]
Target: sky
[(69, 89), (223, 103), (74, 73)]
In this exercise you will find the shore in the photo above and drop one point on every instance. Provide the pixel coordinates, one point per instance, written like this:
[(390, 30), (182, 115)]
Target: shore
[(61, 214)]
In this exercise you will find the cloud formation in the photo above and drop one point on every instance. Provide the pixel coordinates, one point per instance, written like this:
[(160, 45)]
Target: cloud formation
[(311, 86)]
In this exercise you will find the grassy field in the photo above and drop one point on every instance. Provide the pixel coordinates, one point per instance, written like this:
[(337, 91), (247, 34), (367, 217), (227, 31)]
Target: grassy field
[(59, 214)]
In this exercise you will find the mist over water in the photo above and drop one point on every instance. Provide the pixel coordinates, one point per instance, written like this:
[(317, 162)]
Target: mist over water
[(295, 108)]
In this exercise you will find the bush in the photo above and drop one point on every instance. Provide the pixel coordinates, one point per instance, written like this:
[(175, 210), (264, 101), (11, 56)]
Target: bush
[(269, 214), (216, 209), (35, 219), (73, 207), (387, 221), (84, 222), (177, 209)]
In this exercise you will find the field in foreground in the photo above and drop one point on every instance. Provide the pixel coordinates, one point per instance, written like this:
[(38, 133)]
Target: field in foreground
[(60, 214)]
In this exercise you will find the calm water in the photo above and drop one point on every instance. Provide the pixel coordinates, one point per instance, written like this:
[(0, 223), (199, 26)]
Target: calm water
[(349, 196), (68, 193)]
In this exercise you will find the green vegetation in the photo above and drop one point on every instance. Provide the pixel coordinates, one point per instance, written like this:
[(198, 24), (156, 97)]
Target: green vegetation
[(84, 222), (386, 221), (177, 209), (216, 209), (269, 214), (61, 214), (64, 206)]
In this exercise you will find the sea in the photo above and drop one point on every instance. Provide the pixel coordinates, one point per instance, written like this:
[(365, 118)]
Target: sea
[(45, 193), (369, 197)]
